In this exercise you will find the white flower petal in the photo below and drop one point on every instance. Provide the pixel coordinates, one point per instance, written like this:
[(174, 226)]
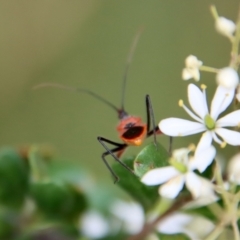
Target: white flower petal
[(94, 225), (131, 214), (172, 187), (205, 141), (229, 136), (203, 159), (159, 175), (221, 101), (228, 78), (192, 114), (216, 139), (193, 184), (207, 189), (197, 100), (199, 228), (174, 223), (230, 120), (186, 74), (194, 226), (234, 169), (200, 187), (177, 127)]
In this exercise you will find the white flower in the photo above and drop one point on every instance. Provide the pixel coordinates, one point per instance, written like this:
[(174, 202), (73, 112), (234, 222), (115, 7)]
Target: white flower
[(234, 169), (181, 172), (225, 26), (207, 196), (194, 226), (205, 121), (94, 225), (131, 214), (228, 78), (192, 68)]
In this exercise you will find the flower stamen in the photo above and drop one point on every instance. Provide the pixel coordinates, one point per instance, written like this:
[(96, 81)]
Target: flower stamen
[(221, 105), (178, 165), (189, 112), (223, 145)]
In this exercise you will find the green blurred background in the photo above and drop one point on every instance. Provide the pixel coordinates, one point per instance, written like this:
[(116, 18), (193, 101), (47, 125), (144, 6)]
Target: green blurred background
[(85, 44)]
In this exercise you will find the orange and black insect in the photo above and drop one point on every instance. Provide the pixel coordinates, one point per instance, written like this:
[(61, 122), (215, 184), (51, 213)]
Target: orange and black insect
[(131, 129)]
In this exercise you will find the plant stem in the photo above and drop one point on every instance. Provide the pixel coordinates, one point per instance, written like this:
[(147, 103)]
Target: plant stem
[(235, 229), (149, 227), (216, 232), (208, 69), (214, 11), (235, 45)]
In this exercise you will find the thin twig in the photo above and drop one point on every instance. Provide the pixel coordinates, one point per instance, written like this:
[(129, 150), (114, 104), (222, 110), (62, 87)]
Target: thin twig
[(148, 227)]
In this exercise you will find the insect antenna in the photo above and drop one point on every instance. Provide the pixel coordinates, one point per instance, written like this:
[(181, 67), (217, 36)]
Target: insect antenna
[(128, 63), (75, 89)]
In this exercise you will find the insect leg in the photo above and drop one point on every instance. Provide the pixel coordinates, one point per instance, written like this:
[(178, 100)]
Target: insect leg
[(150, 116), (119, 147), (155, 130)]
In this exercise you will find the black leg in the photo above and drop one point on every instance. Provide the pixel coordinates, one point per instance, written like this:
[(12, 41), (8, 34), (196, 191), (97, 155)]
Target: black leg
[(119, 147), (150, 133), (150, 116)]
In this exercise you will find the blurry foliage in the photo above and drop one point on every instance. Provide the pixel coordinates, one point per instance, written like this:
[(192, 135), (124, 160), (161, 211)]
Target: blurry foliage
[(54, 205), (36, 206), (85, 44), (14, 178)]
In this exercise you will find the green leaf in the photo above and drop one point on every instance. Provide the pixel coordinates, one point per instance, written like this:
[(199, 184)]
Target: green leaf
[(119, 236), (145, 195), (67, 171), (178, 236), (14, 178), (150, 157), (7, 230), (59, 231), (58, 200)]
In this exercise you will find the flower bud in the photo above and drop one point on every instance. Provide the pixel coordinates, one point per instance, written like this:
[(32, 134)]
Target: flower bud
[(192, 68), (225, 26), (192, 62), (227, 77)]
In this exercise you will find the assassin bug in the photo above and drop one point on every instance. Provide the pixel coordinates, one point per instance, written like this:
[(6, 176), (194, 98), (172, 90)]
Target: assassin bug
[(132, 130)]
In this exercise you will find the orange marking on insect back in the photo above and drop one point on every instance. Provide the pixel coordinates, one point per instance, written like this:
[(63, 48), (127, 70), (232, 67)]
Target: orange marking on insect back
[(132, 130)]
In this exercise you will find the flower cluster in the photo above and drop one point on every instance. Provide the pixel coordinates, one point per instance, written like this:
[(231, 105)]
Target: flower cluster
[(182, 171), (206, 121), (188, 167)]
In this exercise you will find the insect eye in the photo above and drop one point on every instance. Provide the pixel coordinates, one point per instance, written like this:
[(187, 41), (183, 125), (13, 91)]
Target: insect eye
[(133, 132)]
